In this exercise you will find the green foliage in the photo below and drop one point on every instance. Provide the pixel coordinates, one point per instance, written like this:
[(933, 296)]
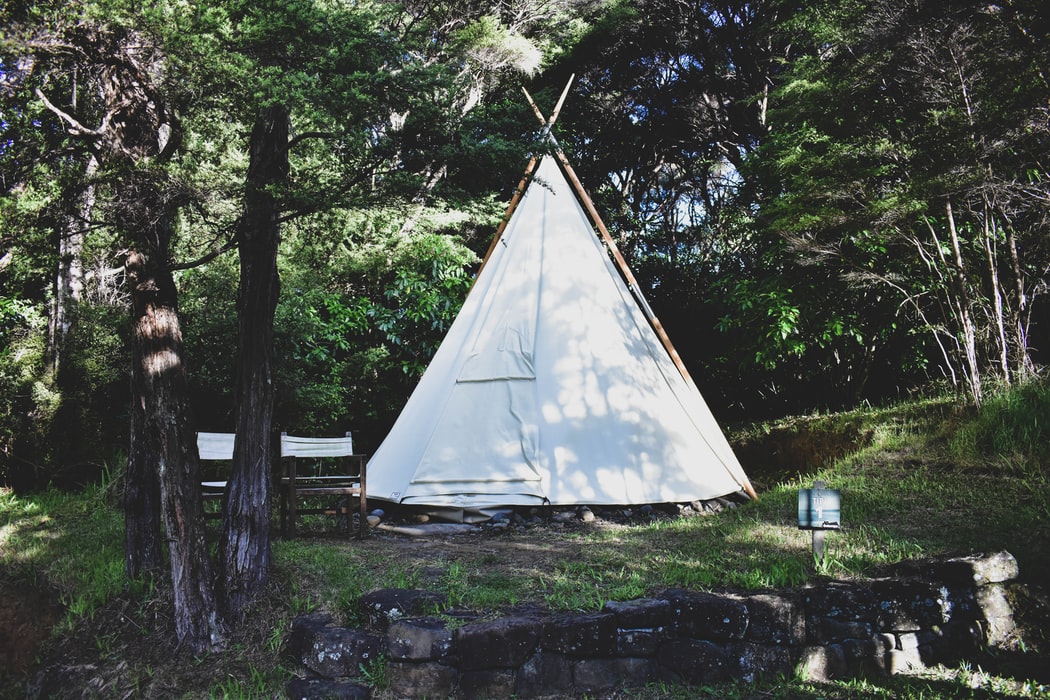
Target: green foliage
[(882, 119), (589, 585), (258, 684), (358, 331), (480, 588), (375, 674), (31, 401)]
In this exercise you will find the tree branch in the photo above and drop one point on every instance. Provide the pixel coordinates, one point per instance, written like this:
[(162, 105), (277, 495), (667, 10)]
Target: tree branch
[(230, 245), (311, 135), (75, 127)]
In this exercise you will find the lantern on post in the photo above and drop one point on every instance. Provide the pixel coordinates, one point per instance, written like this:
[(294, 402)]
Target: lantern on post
[(819, 510)]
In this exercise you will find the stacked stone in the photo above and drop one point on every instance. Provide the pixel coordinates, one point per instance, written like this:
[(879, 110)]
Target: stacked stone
[(916, 615)]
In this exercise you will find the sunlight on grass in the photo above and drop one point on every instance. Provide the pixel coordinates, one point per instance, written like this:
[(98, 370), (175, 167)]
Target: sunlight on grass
[(73, 542)]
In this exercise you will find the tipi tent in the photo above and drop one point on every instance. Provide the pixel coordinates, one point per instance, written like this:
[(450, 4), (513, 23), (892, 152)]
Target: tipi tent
[(551, 386)]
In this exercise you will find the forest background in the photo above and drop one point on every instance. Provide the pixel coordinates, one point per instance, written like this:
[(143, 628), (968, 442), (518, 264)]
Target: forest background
[(276, 208)]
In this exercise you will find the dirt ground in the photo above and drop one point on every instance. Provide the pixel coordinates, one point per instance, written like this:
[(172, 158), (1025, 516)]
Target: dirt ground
[(27, 616)]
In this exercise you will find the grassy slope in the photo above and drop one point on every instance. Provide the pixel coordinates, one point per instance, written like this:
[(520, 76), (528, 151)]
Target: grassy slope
[(932, 480)]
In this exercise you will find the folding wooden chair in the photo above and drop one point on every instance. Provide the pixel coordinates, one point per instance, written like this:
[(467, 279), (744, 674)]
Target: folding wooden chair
[(216, 447), (347, 482)]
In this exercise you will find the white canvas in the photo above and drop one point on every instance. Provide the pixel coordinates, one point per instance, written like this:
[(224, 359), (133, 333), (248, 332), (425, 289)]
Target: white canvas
[(551, 386)]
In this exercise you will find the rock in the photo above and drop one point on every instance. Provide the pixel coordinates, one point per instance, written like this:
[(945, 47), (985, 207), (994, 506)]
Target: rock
[(325, 689), (998, 614), (593, 635), (757, 660), (601, 676), (544, 674), (502, 643), (419, 639), (421, 680), (824, 630), (333, 652), (388, 605), (907, 605), (842, 601), (487, 683), (694, 661), (823, 663), (707, 616), (904, 661), (641, 625), (976, 570), (776, 619)]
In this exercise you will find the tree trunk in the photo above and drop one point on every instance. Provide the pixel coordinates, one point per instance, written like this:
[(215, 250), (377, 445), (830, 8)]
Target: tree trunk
[(989, 231), (244, 550), (69, 278), (138, 134), (143, 549), (169, 442), (962, 302), (1024, 365)]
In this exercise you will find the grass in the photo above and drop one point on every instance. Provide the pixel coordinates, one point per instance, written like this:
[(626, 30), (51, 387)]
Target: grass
[(931, 479), (71, 543)]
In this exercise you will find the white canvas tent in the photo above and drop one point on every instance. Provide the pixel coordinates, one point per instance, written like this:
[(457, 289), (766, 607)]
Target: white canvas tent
[(552, 386)]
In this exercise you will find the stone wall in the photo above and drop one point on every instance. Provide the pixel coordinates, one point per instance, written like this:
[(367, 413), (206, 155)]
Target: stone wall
[(918, 614)]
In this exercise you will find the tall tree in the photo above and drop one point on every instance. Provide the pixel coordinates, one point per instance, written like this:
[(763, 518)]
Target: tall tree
[(244, 549), (123, 122), (384, 73)]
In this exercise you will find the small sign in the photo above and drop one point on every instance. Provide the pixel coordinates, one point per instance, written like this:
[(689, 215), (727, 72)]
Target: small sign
[(819, 508)]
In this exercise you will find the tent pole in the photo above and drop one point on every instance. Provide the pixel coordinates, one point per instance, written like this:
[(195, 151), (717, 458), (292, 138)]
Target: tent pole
[(614, 249), (506, 217), (520, 190), (632, 283)]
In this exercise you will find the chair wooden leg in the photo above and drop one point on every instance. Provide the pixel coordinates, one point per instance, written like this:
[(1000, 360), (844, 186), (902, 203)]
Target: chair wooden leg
[(291, 514), (284, 512)]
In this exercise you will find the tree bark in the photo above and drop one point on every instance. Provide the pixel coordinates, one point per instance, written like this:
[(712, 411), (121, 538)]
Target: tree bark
[(244, 549), (143, 548), (989, 233), (1024, 364), (137, 135), (170, 443)]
